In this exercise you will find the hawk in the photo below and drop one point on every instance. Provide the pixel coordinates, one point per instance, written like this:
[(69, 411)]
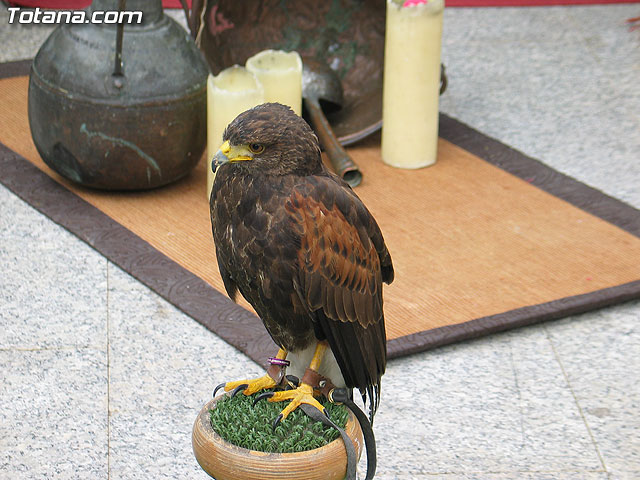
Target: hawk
[(304, 251)]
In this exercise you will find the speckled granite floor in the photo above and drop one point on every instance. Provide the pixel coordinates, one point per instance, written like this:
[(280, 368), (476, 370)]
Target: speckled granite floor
[(101, 378)]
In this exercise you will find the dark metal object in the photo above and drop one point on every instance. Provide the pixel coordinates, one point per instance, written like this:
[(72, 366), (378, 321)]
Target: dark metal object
[(139, 127), (322, 91), (347, 35)]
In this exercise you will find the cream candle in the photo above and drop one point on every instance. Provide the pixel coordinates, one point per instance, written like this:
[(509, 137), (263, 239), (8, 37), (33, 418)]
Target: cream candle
[(411, 82), (230, 93), (281, 76)]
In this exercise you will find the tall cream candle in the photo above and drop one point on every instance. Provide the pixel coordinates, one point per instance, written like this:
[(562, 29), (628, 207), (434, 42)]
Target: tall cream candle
[(281, 76), (230, 93), (411, 82)]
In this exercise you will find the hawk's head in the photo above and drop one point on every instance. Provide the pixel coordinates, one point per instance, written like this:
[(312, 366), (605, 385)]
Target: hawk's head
[(269, 139)]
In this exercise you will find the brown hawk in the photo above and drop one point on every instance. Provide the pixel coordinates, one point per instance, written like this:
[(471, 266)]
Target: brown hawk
[(305, 252)]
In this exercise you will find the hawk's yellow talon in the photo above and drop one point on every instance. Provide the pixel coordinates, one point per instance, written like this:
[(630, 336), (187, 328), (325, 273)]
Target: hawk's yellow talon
[(252, 386), (298, 396)]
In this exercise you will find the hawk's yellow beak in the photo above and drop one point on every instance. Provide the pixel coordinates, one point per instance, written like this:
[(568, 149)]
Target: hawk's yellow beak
[(230, 153)]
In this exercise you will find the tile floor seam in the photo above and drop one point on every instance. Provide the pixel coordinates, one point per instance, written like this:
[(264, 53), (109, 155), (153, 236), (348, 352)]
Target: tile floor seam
[(575, 399), (108, 347), (515, 379)]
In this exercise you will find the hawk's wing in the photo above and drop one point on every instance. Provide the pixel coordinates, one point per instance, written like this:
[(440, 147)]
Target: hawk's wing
[(343, 261)]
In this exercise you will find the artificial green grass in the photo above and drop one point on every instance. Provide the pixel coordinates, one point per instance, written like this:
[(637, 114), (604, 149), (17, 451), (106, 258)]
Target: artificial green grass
[(238, 422)]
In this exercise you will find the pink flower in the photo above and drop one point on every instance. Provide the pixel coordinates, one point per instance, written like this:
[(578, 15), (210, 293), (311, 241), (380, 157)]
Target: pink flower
[(411, 3)]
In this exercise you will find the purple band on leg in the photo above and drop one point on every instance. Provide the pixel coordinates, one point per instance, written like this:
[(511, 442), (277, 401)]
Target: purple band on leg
[(279, 361)]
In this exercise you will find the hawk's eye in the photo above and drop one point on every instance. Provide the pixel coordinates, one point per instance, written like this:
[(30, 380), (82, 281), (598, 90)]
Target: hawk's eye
[(256, 148)]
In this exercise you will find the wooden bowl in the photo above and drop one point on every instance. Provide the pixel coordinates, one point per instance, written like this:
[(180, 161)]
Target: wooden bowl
[(224, 461)]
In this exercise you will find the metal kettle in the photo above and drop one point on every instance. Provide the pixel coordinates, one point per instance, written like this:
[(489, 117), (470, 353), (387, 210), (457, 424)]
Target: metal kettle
[(119, 107)]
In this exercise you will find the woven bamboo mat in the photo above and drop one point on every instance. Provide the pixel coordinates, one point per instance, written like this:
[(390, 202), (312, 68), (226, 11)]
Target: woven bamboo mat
[(479, 244)]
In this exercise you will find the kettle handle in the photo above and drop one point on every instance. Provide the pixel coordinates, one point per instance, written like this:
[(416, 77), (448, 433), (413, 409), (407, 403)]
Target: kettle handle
[(195, 17), (185, 9), (117, 69)]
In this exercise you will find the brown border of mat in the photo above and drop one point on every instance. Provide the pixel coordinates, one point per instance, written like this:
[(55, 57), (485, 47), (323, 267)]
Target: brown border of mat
[(241, 328)]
